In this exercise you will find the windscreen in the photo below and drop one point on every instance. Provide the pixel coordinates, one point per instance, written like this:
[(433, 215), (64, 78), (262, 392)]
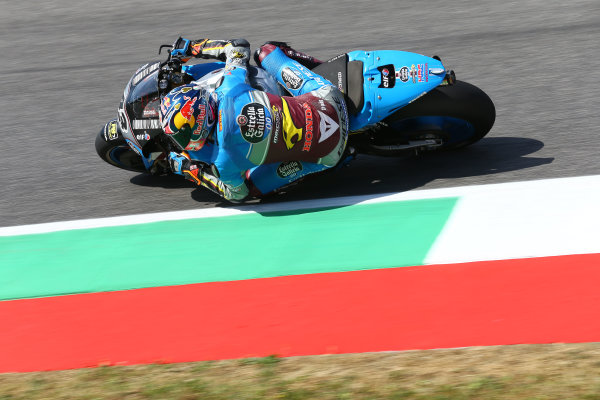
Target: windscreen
[(138, 111)]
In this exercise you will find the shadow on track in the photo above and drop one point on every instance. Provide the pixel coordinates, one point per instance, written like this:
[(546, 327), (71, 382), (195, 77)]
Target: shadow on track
[(373, 175)]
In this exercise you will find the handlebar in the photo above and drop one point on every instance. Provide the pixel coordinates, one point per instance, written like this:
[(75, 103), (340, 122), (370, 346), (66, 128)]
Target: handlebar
[(170, 70)]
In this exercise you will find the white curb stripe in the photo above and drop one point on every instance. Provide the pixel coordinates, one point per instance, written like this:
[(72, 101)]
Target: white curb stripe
[(520, 220), (582, 184)]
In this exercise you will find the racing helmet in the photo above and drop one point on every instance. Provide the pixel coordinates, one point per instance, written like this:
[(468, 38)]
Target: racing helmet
[(188, 114)]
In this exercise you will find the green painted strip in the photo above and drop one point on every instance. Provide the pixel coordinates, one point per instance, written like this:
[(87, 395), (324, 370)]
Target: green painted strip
[(247, 246)]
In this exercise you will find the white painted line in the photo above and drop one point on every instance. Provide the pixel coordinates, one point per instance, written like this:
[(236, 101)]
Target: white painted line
[(289, 206), (529, 219)]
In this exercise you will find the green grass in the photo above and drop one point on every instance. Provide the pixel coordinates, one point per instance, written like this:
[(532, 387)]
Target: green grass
[(509, 372)]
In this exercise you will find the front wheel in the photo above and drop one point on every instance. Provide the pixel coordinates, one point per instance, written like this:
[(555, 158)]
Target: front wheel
[(112, 148), (450, 116)]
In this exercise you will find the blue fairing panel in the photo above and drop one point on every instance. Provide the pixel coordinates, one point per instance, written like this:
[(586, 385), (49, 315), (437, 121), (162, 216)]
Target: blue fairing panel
[(392, 79), (199, 70)]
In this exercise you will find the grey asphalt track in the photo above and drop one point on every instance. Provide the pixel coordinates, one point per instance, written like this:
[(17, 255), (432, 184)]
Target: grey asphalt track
[(64, 64)]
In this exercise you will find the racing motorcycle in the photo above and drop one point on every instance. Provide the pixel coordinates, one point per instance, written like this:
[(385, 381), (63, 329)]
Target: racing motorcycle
[(398, 103)]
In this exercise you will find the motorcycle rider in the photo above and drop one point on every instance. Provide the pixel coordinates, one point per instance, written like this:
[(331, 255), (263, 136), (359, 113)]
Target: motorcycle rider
[(253, 136)]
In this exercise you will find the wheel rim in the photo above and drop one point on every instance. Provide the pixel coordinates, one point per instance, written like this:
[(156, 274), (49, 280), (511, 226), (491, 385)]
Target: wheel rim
[(123, 157), (454, 130)]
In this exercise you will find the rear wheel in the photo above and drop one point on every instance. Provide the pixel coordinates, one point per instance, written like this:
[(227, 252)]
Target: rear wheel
[(448, 117), (112, 148)]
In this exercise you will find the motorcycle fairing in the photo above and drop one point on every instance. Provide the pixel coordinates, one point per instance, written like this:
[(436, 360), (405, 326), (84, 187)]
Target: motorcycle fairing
[(392, 79)]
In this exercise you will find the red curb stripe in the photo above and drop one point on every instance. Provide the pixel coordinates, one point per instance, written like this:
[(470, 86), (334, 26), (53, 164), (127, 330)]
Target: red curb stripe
[(540, 300)]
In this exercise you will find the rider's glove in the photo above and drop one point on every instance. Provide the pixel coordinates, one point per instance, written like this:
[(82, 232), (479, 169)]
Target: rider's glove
[(185, 49), (181, 48), (181, 164)]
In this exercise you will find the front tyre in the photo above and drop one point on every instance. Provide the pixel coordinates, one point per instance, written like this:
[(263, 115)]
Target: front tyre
[(112, 148)]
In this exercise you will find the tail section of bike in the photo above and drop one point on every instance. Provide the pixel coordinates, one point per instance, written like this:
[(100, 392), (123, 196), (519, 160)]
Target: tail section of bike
[(391, 80), (400, 101)]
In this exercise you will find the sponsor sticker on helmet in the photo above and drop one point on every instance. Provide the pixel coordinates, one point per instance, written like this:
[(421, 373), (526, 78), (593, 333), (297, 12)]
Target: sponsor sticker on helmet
[(254, 122)]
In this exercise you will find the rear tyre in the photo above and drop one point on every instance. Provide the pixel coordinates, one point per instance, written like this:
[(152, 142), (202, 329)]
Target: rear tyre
[(459, 115), (112, 148)]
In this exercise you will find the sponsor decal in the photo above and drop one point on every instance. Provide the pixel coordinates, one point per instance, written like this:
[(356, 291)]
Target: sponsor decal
[(200, 120), (122, 121), (420, 73), (150, 112), (112, 132), (322, 105), (146, 124), (134, 147), (337, 57), (288, 169), (413, 73), (201, 112), (388, 76), (187, 110), (308, 130), (327, 126), (340, 83), (276, 123), (292, 78), (291, 133), (151, 108), (143, 72), (242, 120), (220, 120), (310, 75), (319, 80), (254, 122), (143, 136), (403, 74)]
